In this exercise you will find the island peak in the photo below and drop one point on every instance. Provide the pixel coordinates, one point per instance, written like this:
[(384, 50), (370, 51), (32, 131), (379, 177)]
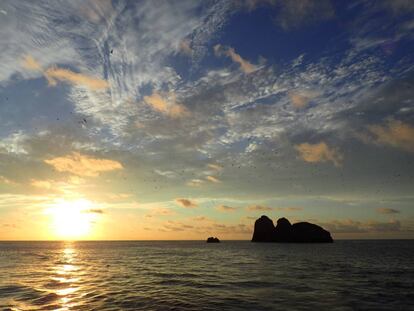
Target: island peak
[(213, 240), (285, 232)]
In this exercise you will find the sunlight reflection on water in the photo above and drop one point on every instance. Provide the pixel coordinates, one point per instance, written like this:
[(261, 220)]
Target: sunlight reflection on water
[(65, 268)]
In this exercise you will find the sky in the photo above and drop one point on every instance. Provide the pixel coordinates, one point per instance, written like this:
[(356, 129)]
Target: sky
[(188, 119)]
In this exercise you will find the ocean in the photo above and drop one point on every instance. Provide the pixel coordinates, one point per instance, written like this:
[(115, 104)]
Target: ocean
[(194, 275)]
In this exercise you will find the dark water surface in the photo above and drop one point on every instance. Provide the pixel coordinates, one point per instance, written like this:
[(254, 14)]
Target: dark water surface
[(193, 275)]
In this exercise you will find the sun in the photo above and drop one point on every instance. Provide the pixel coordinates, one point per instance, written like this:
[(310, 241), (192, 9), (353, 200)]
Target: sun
[(71, 219)]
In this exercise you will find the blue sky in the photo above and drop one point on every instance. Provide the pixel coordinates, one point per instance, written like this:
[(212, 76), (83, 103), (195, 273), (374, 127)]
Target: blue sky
[(192, 118)]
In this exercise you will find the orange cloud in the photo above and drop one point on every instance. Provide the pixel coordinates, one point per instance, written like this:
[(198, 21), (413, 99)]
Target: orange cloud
[(258, 208), (215, 167), (83, 165), (213, 179), (394, 133), (226, 208), (300, 99), (45, 184), (30, 63), (289, 209), (166, 105), (55, 74), (186, 203), (321, 152), (245, 65), (185, 47)]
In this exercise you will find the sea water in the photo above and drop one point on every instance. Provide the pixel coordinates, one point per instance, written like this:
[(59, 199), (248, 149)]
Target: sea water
[(194, 275)]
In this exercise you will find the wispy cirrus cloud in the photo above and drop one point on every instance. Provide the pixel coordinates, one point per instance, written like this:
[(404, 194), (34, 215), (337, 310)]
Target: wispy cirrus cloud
[(96, 11), (135, 57)]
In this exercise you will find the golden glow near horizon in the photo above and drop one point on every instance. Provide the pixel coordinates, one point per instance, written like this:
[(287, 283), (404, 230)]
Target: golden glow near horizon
[(71, 219)]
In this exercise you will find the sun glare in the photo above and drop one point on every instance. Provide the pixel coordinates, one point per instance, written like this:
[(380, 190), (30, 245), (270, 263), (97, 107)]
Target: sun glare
[(71, 219)]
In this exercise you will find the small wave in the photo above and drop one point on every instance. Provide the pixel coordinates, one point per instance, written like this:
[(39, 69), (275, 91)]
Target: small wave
[(54, 284), (11, 289), (46, 299), (38, 256), (18, 290)]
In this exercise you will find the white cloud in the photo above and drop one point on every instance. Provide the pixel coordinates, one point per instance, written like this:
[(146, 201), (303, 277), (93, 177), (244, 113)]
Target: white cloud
[(14, 143)]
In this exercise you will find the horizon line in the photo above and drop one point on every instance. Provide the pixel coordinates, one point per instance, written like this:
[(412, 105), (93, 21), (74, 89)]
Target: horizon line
[(200, 240)]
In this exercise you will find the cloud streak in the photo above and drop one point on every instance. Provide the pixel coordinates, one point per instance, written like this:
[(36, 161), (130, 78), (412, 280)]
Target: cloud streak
[(245, 65), (258, 208), (166, 105), (213, 179), (186, 203), (387, 211), (83, 165), (226, 208), (55, 74)]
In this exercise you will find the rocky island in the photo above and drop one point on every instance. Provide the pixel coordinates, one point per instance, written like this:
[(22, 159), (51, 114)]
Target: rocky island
[(285, 232), (213, 240)]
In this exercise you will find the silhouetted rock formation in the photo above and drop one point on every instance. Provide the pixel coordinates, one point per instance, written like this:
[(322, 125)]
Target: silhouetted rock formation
[(285, 232), (213, 240), (263, 230)]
